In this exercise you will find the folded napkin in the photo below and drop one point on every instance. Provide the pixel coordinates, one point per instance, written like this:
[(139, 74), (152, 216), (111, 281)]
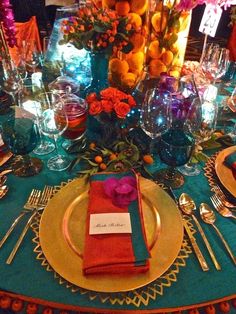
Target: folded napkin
[(115, 252), (230, 162)]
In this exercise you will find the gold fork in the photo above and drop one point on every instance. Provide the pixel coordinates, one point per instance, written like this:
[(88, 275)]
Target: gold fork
[(42, 202), (29, 205), (220, 194), (222, 210)]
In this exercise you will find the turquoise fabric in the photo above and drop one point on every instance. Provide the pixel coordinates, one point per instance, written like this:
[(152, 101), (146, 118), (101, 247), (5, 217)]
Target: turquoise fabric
[(27, 277)]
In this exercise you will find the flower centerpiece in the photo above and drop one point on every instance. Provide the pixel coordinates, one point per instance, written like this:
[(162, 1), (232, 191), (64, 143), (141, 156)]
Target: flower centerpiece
[(102, 32), (110, 107), (7, 29)]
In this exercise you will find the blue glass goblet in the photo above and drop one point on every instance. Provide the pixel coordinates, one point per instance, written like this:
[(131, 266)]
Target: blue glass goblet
[(175, 149), (19, 132)]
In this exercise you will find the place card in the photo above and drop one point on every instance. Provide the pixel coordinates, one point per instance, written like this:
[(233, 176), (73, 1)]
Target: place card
[(210, 20), (110, 223)]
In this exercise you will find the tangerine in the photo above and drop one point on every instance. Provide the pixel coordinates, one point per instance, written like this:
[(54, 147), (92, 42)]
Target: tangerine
[(138, 41), (128, 79), (167, 57), (156, 67), (135, 19), (118, 66), (138, 6), (98, 159), (159, 21), (122, 7), (103, 166), (136, 60), (148, 159), (154, 50), (108, 3)]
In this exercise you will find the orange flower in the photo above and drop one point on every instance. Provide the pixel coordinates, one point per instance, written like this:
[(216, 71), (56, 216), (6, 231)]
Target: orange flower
[(121, 109), (131, 101), (107, 105), (95, 108), (91, 97)]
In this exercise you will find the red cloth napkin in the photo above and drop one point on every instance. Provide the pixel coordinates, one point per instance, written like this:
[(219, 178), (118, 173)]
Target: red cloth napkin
[(230, 162), (117, 252)]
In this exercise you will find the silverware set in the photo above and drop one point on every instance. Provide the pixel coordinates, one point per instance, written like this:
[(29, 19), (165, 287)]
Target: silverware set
[(187, 206), (36, 202)]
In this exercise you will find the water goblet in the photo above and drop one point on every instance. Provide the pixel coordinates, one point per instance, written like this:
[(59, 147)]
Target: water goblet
[(20, 133), (27, 99), (176, 146), (155, 115), (12, 81), (201, 122), (31, 56), (53, 121)]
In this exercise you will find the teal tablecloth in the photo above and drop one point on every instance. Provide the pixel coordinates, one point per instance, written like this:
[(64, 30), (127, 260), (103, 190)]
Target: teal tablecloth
[(26, 277)]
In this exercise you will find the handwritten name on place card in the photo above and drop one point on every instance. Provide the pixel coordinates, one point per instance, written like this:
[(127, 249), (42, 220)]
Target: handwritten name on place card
[(110, 223)]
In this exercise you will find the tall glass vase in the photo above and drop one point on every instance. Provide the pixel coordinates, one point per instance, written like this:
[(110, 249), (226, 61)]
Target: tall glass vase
[(99, 72)]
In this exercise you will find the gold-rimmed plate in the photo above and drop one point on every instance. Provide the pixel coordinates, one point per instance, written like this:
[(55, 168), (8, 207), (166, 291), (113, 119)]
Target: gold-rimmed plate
[(62, 231), (223, 172)]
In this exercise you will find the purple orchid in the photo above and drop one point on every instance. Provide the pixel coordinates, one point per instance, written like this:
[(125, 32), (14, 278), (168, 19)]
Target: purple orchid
[(7, 19), (122, 191)]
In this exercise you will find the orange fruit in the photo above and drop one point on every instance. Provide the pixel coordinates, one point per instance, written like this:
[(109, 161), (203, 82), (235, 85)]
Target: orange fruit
[(92, 145), (154, 51), (108, 3), (159, 22), (135, 20), (174, 48), (98, 159), (136, 60), (122, 7), (148, 159), (138, 6), (112, 156), (156, 67), (118, 66), (167, 57), (103, 166), (128, 79), (138, 42)]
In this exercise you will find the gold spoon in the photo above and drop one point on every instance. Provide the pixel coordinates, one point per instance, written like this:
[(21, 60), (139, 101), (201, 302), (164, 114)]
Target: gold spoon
[(208, 216), (187, 205)]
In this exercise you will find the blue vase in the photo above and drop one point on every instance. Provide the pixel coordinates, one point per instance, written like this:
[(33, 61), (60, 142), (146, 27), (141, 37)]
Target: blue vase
[(99, 72)]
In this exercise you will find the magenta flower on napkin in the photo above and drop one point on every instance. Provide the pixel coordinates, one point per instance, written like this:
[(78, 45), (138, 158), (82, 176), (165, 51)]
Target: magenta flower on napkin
[(122, 191)]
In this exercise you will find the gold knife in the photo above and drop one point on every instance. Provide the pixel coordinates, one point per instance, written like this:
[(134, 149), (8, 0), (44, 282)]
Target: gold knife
[(195, 246)]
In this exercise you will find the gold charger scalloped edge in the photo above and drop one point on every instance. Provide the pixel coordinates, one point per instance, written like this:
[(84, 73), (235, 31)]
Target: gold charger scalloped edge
[(136, 297)]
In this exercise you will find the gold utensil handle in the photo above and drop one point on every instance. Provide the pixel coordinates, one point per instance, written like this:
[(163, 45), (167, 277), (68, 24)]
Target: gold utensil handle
[(199, 255), (225, 244), (209, 248), (9, 231), (20, 239)]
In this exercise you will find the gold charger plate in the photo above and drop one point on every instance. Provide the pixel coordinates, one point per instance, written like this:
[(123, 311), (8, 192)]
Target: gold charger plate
[(62, 230), (223, 172)]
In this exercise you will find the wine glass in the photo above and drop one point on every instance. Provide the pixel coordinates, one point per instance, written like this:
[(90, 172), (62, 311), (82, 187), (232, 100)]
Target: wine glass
[(12, 81), (31, 55), (20, 133), (216, 63), (53, 121), (201, 122), (27, 99), (155, 115)]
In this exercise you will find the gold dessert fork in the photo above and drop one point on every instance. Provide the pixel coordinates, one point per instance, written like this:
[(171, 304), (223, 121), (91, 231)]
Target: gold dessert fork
[(42, 202), (222, 210), (29, 205)]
